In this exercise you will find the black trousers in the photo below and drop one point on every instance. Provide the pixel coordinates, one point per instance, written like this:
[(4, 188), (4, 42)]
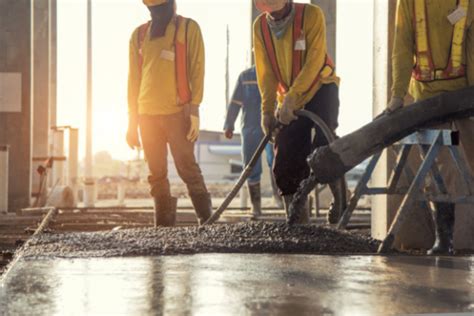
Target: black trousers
[(293, 144)]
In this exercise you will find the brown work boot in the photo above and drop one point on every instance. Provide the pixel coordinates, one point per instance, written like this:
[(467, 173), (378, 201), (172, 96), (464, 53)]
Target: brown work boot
[(203, 206), (444, 222), (165, 210), (302, 217), (255, 198), (278, 200)]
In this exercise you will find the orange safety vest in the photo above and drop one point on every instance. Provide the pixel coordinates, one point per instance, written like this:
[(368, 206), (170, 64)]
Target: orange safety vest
[(181, 60), (327, 69), (424, 69)]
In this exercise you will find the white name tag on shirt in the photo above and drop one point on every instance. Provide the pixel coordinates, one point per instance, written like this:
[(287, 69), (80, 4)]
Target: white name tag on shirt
[(300, 44), (457, 15), (167, 55)]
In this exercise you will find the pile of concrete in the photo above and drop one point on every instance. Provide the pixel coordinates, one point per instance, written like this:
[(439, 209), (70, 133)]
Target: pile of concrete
[(252, 237)]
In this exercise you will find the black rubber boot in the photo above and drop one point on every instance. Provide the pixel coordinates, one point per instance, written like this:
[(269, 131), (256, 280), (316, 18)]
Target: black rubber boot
[(339, 203), (303, 217), (255, 198), (276, 195), (203, 206), (444, 222), (165, 211)]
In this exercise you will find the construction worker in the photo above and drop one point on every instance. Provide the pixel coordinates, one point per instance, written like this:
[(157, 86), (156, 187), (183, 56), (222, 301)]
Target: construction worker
[(165, 88), (294, 71), (434, 53), (246, 96)]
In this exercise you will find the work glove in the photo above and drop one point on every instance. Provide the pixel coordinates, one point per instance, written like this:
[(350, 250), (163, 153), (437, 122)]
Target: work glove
[(228, 133), (269, 123), (286, 114), (395, 104), (133, 139), (191, 111)]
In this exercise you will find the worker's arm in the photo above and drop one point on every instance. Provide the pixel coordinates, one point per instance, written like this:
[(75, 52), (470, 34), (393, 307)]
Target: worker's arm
[(266, 79), (316, 50), (234, 107), (403, 50), (196, 62), (470, 47), (133, 76)]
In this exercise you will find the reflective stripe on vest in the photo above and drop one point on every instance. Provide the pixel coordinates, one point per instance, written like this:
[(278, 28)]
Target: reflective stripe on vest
[(424, 69), (297, 63), (181, 60)]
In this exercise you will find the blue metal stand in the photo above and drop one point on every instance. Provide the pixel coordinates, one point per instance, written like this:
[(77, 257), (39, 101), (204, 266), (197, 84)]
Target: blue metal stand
[(430, 143)]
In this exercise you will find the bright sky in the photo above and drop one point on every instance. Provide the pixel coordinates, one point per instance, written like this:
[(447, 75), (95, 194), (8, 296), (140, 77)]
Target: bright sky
[(113, 23)]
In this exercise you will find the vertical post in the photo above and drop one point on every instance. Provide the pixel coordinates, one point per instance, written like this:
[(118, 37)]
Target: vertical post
[(52, 62), (41, 89), (329, 8), (254, 14), (89, 182), (73, 161), (16, 24), (57, 174), (3, 178)]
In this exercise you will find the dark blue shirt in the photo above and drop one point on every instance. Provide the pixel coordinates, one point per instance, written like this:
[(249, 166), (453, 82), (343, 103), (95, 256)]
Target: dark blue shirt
[(246, 96)]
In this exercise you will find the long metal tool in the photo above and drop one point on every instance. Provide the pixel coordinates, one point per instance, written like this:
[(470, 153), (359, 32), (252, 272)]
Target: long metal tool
[(261, 147)]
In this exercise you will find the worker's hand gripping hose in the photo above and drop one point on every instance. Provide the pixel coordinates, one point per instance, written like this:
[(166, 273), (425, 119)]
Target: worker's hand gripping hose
[(300, 197)]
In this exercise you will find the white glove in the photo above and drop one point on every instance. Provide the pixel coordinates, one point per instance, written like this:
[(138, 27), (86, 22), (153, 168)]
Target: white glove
[(193, 133), (191, 111), (286, 114), (395, 104)]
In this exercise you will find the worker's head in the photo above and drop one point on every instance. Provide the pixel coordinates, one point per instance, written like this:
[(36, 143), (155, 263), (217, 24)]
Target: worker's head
[(277, 9), (270, 6), (161, 10)]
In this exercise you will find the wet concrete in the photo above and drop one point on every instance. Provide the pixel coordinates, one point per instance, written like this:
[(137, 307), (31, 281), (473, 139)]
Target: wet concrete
[(255, 237), (235, 284)]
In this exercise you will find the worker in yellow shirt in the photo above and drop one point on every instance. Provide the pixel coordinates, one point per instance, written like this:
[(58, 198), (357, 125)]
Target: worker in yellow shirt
[(434, 53), (165, 89), (294, 71)]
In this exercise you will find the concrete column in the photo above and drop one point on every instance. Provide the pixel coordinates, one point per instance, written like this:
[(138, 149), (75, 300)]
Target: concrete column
[(15, 120), (330, 11), (52, 62), (418, 229), (3, 178), (41, 89)]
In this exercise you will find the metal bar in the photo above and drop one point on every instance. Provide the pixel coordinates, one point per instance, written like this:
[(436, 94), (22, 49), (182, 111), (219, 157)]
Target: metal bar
[(428, 136), (358, 192), (446, 198), (410, 197), (46, 220), (435, 173), (463, 169), (400, 165), (4, 178)]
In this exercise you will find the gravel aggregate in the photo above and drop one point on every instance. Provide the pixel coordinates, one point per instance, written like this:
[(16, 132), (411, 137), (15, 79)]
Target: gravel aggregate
[(251, 237)]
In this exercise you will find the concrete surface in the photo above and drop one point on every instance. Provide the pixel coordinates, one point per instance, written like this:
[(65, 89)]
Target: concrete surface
[(240, 284)]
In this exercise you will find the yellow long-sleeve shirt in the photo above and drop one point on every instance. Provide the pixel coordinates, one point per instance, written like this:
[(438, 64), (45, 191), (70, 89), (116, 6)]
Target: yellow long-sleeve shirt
[(314, 28), (440, 38), (156, 92)]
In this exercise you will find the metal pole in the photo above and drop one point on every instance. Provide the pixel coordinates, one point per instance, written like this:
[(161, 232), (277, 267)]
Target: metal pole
[(89, 182), (73, 161), (3, 178)]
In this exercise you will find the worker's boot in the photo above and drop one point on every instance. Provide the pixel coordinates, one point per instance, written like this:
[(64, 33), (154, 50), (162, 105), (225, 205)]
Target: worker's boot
[(165, 210), (203, 206), (276, 195), (444, 222), (339, 202), (255, 199), (303, 217)]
